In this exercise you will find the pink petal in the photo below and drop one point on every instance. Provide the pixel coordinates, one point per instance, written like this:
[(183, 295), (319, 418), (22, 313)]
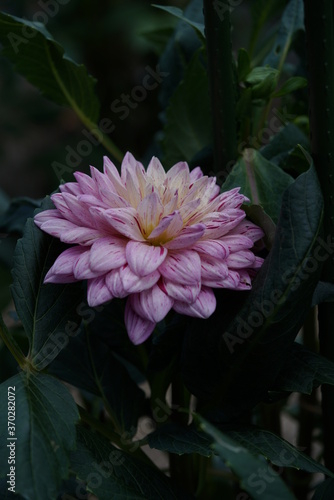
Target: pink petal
[(214, 248), (231, 281), (115, 285), (107, 254), (156, 172), (220, 223), (81, 269), (150, 211), (245, 281), (111, 171), (152, 304), (203, 307), (195, 174), (138, 329), (64, 264), (169, 225), (79, 212), (248, 229), (238, 260), (236, 242), (46, 215), (103, 183), (258, 262), (86, 183), (213, 269), (59, 278), (80, 235), (129, 164), (183, 293), (97, 292), (121, 282), (187, 237), (125, 222), (92, 201), (144, 258), (134, 195), (114, 200), (182, 267), (70, 187), (178, 178)]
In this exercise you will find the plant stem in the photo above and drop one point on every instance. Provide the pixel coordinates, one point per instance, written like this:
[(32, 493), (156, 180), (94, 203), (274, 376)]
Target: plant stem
[(221, 72), (319, 19)]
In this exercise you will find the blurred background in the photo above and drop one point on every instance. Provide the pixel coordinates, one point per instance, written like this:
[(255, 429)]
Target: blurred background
[(116, 40)]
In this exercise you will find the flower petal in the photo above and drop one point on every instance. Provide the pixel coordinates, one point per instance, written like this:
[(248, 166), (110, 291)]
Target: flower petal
[(125, 222), (203, 307), (81, 269), (64, 264), (187, 237), (156, 172), (182, 267), (138, 329), (213, 269), (183, 293), (236, 242), (150, 211), (107, 254), (152, 304), (215, 248), (97, 292), (144, 258), (168, 227), (111, 171), (121, 282), (239, 260)]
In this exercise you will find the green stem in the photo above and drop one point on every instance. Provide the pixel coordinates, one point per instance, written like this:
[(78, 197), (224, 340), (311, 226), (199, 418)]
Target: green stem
[(221, 71), (12, 345), (112, 436), (94, 129), (319, 20)]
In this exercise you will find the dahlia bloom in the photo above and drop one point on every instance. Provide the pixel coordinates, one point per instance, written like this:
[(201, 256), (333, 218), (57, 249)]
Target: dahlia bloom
[(164, 239)]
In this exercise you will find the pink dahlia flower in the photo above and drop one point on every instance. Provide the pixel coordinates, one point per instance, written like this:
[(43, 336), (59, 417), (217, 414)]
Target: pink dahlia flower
[(164, 239)]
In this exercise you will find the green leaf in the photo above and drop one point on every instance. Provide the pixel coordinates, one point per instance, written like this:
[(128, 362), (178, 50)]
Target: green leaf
[(176, 438), (188, 127), (285, 142), (42, 61), (257, 340), (174, 11), (292, 84), (260, 180), (257, 215), (14, 218), (275, 449), (303, 370), (261, 11), (89, 363), (247, 467), (291, 22), (46, 311), (111, 473), (263, 80), (45, 430)]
